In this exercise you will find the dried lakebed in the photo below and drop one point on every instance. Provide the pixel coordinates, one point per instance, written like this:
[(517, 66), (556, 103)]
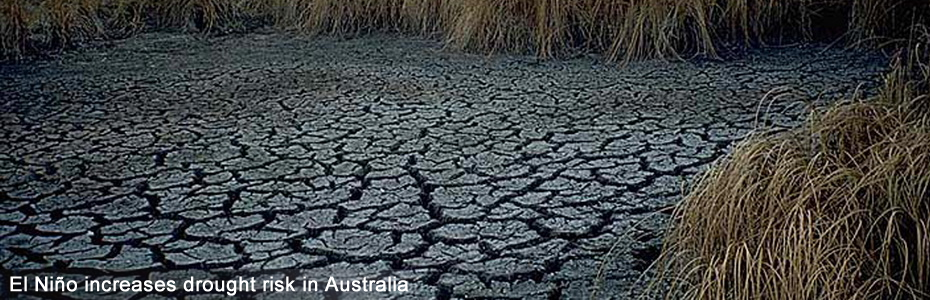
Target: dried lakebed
[(467, 175)]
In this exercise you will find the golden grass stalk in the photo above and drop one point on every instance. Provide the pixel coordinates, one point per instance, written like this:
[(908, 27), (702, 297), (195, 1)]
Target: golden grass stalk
[(836, 210), (493, 25), (352, 17), (427, 16), (662, 29), (13, 31)]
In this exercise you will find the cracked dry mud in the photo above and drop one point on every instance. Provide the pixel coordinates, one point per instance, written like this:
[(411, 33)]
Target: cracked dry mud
[(468, 175)]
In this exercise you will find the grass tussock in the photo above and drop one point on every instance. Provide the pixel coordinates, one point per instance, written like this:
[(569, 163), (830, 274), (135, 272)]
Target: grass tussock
[(351, 17), (622, 29), (839, 209), (13, 32), (203, 15), (31, 26)]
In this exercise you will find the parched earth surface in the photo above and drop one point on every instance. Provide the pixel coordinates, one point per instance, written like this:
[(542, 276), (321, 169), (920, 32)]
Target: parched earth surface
[(468, 175)]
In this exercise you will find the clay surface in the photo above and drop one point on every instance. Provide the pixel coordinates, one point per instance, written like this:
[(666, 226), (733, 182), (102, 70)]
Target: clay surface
[(467, 175)]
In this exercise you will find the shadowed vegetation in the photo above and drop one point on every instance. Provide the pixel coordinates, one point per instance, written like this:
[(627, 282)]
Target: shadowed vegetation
[(838, 209), (622, 29)]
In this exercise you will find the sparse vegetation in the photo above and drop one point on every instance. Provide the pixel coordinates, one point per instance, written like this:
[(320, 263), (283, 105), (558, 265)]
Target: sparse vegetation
[(621, 29), (838, 209)]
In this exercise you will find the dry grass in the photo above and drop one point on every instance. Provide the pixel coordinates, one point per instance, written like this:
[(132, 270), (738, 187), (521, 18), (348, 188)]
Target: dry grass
[(839, 209), (33, 25), (764, 22), (353, 17), (491, 25), (68, 20), (13, 31), (876, 22), (124, 17), (622, 29), (663, 29), (203, 15)]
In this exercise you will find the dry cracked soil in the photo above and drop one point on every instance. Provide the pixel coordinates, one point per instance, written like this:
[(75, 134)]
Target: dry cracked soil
[(467, 175)]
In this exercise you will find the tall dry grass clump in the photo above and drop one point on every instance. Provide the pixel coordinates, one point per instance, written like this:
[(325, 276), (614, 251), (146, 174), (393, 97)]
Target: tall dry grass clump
[(201, 15), (13, 31), (353, 17), (27, 25), (879, 22), (124, 17), (69, 20), (493, 25), (625, 30), (662, 29), (839, 209), (34, 25)]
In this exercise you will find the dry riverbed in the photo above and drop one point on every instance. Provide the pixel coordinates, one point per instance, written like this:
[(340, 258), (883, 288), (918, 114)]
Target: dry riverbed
[(466, 175)]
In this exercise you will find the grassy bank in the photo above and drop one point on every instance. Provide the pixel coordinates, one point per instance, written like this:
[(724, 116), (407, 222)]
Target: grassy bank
[(838, 209), (621, 29)]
